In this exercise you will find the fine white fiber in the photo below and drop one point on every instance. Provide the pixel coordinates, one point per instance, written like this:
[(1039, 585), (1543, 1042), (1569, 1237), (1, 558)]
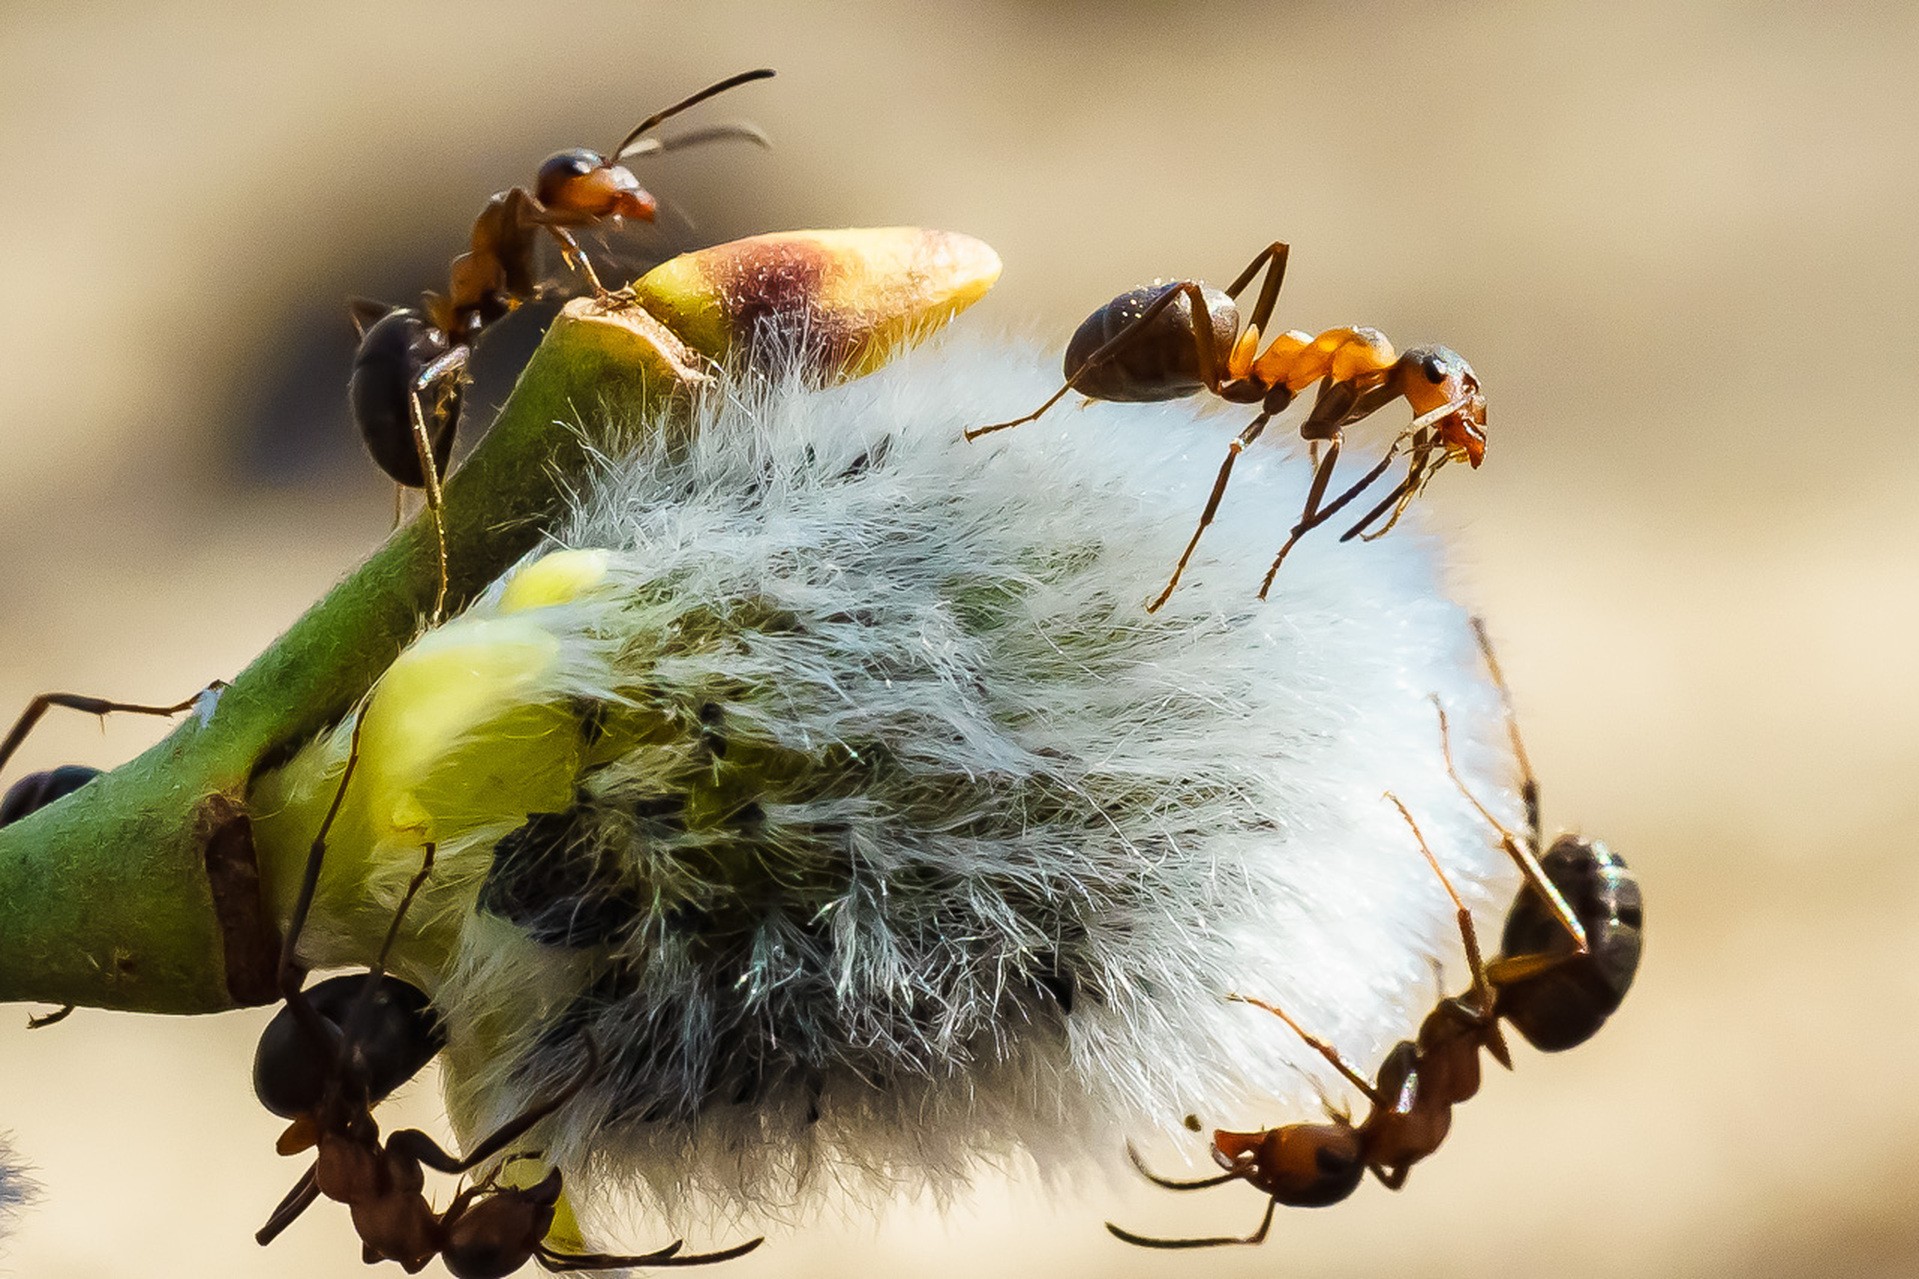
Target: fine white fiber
[(17, 1189), (826, 784), (925, 847)]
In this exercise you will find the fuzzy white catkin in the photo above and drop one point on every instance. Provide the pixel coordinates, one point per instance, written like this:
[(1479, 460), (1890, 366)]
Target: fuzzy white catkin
[(998, 787), (16, 1188)]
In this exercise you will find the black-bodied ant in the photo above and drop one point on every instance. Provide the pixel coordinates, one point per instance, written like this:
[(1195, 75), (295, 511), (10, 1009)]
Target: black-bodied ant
[(1569, 952), (1147, 344), (336, 1051), (408, 354), (1576, 977)]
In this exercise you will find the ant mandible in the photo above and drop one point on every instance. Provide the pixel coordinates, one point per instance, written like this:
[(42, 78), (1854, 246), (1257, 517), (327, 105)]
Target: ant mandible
[(407, 354), (1148, 344), (1569, 952), (336, 1051)]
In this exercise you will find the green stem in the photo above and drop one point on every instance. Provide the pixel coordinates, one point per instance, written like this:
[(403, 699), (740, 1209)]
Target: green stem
[(140, 890)]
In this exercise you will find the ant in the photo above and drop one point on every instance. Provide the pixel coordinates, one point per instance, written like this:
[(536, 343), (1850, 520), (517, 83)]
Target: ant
[(407, 354), (1569, 952), (1149, 344), (1581, 925), (333, 1053)]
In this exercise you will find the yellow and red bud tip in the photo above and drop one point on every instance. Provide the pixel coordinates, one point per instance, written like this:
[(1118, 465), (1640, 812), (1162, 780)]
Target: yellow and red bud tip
[(852, 298)]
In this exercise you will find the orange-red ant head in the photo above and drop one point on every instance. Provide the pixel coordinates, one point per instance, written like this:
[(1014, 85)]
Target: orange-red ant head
[(1438, 378), (587, 184), (1300, 1165)]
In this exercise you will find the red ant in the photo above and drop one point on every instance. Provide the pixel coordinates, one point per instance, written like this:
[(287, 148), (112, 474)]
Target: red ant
[(1562, 971), (1147, 344), (370, 1042), (407, 354)]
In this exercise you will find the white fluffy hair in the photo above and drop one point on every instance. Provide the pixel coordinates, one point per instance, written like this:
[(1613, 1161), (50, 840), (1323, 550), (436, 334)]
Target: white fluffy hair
[(944, 851), (17, 1189)]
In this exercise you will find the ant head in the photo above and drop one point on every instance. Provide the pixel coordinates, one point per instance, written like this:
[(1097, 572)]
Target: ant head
[(500, 1231), (36, 790), (393, 1035), (1442, 377), (588, 184), (1299, 1165)]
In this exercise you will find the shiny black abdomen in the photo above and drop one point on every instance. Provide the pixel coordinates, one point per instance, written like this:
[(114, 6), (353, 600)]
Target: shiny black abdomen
[(36, 790), (1566, 1005), (397, 1034), (392, 354), (1161, 360)]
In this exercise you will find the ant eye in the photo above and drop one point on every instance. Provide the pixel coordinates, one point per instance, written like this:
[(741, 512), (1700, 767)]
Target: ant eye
[(1435, 368)]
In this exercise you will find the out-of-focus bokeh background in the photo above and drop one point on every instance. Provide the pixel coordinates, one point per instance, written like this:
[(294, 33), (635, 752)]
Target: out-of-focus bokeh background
[(1677, 242)]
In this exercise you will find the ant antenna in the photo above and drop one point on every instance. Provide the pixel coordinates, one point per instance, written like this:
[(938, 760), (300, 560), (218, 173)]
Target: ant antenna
[(739, 129), (711, 90)]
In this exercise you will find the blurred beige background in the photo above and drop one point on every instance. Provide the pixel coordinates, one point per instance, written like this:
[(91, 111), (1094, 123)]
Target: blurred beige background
[(1677, 242)]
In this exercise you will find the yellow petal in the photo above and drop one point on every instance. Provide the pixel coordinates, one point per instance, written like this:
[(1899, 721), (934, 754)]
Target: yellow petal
[(559, 578)]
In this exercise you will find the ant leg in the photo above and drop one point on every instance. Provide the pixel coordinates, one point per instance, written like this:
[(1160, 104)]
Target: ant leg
[(319, 1032), (419, 1146), (1147, 1241), (42, 1020), (1528, 783), (576, 258), (1315, 493), (1202, 345), (1202, 1183), (297, 1201), (353, 1026), (1320, 1046), (310, 882), (1324, 514), (1273, 258), (1233, 450), (667, 1256), (1419, 475), (1419, 470), (1390, 500), (1523, 855), (432, 375), (1482, 993), (40, 705)]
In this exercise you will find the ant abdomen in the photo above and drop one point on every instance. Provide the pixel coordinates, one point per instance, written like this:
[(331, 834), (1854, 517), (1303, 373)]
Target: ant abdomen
[(36, 790), (393, 353), (1160, 361), (1566, 1005), (396, 1034)]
